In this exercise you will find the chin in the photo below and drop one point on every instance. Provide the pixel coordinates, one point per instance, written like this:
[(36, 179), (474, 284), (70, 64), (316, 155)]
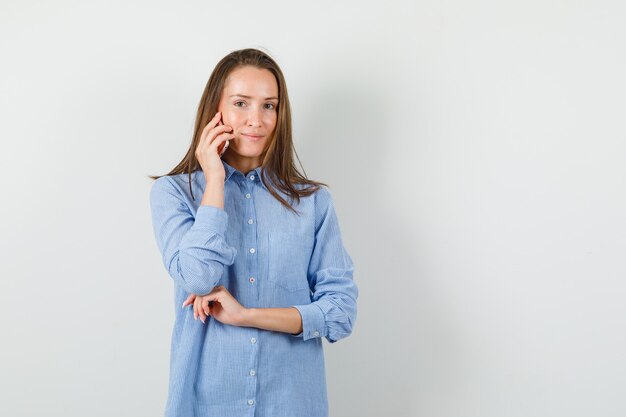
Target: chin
[(247, 153), (249, 150)]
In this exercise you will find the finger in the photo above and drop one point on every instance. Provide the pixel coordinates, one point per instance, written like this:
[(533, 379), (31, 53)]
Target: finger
[(196, 305), (211, 129), (223, 148), (216, 132), (206, 307), (224, 137), (201, 312), (205, 144), (189, 300), (212, 123)]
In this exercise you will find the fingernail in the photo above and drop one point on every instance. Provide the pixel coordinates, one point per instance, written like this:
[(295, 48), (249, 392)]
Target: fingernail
[(183, 305), (202, 321)]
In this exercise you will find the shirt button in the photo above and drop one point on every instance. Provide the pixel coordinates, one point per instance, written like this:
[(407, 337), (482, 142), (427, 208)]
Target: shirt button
[(252, 250), (250, 221), (250, 402), (251, 280), (253, 340), (316, 333), (252, 373), (252, 177), (247, 195)]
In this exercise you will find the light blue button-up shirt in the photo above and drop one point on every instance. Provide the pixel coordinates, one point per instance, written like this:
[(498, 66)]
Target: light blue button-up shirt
[(266, 256)]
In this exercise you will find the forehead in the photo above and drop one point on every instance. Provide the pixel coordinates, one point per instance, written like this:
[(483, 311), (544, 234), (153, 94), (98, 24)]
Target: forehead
[(251, 81)]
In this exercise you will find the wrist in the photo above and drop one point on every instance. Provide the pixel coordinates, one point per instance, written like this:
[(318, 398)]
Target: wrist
[(215, 175), (248, 317), (213, 192), (214, 181)]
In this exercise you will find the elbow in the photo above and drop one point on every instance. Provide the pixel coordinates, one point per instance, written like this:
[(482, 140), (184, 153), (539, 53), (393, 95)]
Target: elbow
[(197, 279), (339, 332), (341, 321), (199, 288)]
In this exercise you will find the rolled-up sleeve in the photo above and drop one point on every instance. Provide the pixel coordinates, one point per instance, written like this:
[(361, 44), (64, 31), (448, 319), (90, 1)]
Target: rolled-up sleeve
[(333, 308), (193, 247)]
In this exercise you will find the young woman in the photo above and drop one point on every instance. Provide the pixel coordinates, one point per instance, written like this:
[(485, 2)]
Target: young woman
[(255, 252)]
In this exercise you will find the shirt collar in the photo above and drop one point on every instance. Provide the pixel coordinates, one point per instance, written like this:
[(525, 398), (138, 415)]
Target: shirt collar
[(258, 172), (229, 171)]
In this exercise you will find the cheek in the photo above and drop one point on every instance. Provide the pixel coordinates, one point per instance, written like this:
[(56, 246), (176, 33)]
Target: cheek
[(230, 117), (270, 120)]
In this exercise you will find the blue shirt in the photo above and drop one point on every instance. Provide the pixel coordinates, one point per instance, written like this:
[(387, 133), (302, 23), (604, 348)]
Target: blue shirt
[(266, 256)]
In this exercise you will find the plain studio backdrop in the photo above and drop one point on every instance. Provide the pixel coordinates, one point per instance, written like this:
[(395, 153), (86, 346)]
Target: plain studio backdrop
[(475, 151)]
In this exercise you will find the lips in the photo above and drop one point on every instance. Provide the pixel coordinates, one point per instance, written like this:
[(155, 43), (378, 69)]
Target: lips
[(252, 137)]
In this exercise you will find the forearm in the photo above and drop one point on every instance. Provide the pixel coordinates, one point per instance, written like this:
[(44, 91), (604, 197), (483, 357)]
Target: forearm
[(286, 320), (213, 193)]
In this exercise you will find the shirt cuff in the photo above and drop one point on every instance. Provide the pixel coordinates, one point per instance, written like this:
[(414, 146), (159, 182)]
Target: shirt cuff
[(313, 323), (211, 218)]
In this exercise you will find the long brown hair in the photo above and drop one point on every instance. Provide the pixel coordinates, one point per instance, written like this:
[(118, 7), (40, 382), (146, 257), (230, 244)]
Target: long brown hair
[(278, 161)]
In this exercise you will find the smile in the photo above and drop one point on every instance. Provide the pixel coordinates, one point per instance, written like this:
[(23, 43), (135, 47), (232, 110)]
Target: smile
[(253, 138)]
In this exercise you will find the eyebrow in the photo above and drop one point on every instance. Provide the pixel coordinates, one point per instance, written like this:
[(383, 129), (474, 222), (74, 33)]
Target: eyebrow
[(244, 96)]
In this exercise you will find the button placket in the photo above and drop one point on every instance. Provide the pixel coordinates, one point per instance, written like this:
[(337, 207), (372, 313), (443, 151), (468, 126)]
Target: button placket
[(252, 265)]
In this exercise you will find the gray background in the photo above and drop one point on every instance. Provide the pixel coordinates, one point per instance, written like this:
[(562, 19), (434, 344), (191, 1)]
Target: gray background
[(475, 151)]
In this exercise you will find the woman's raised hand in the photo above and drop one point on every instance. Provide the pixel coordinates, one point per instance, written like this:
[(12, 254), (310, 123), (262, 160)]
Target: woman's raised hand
[(208, 149)]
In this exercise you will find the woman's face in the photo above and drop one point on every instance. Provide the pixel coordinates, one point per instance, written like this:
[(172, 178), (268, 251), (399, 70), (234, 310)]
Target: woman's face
[(248, 105)]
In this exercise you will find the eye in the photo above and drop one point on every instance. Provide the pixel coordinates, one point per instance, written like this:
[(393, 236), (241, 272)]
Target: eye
[(237, 102), (271, 106)]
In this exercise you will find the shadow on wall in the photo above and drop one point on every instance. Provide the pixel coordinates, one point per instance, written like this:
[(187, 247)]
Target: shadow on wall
[(377, 369)]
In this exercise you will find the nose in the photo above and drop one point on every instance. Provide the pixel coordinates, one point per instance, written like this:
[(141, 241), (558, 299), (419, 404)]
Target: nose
[(254, 118)]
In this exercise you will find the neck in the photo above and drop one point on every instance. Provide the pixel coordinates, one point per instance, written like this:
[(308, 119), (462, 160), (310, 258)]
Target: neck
[(242, 164)]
